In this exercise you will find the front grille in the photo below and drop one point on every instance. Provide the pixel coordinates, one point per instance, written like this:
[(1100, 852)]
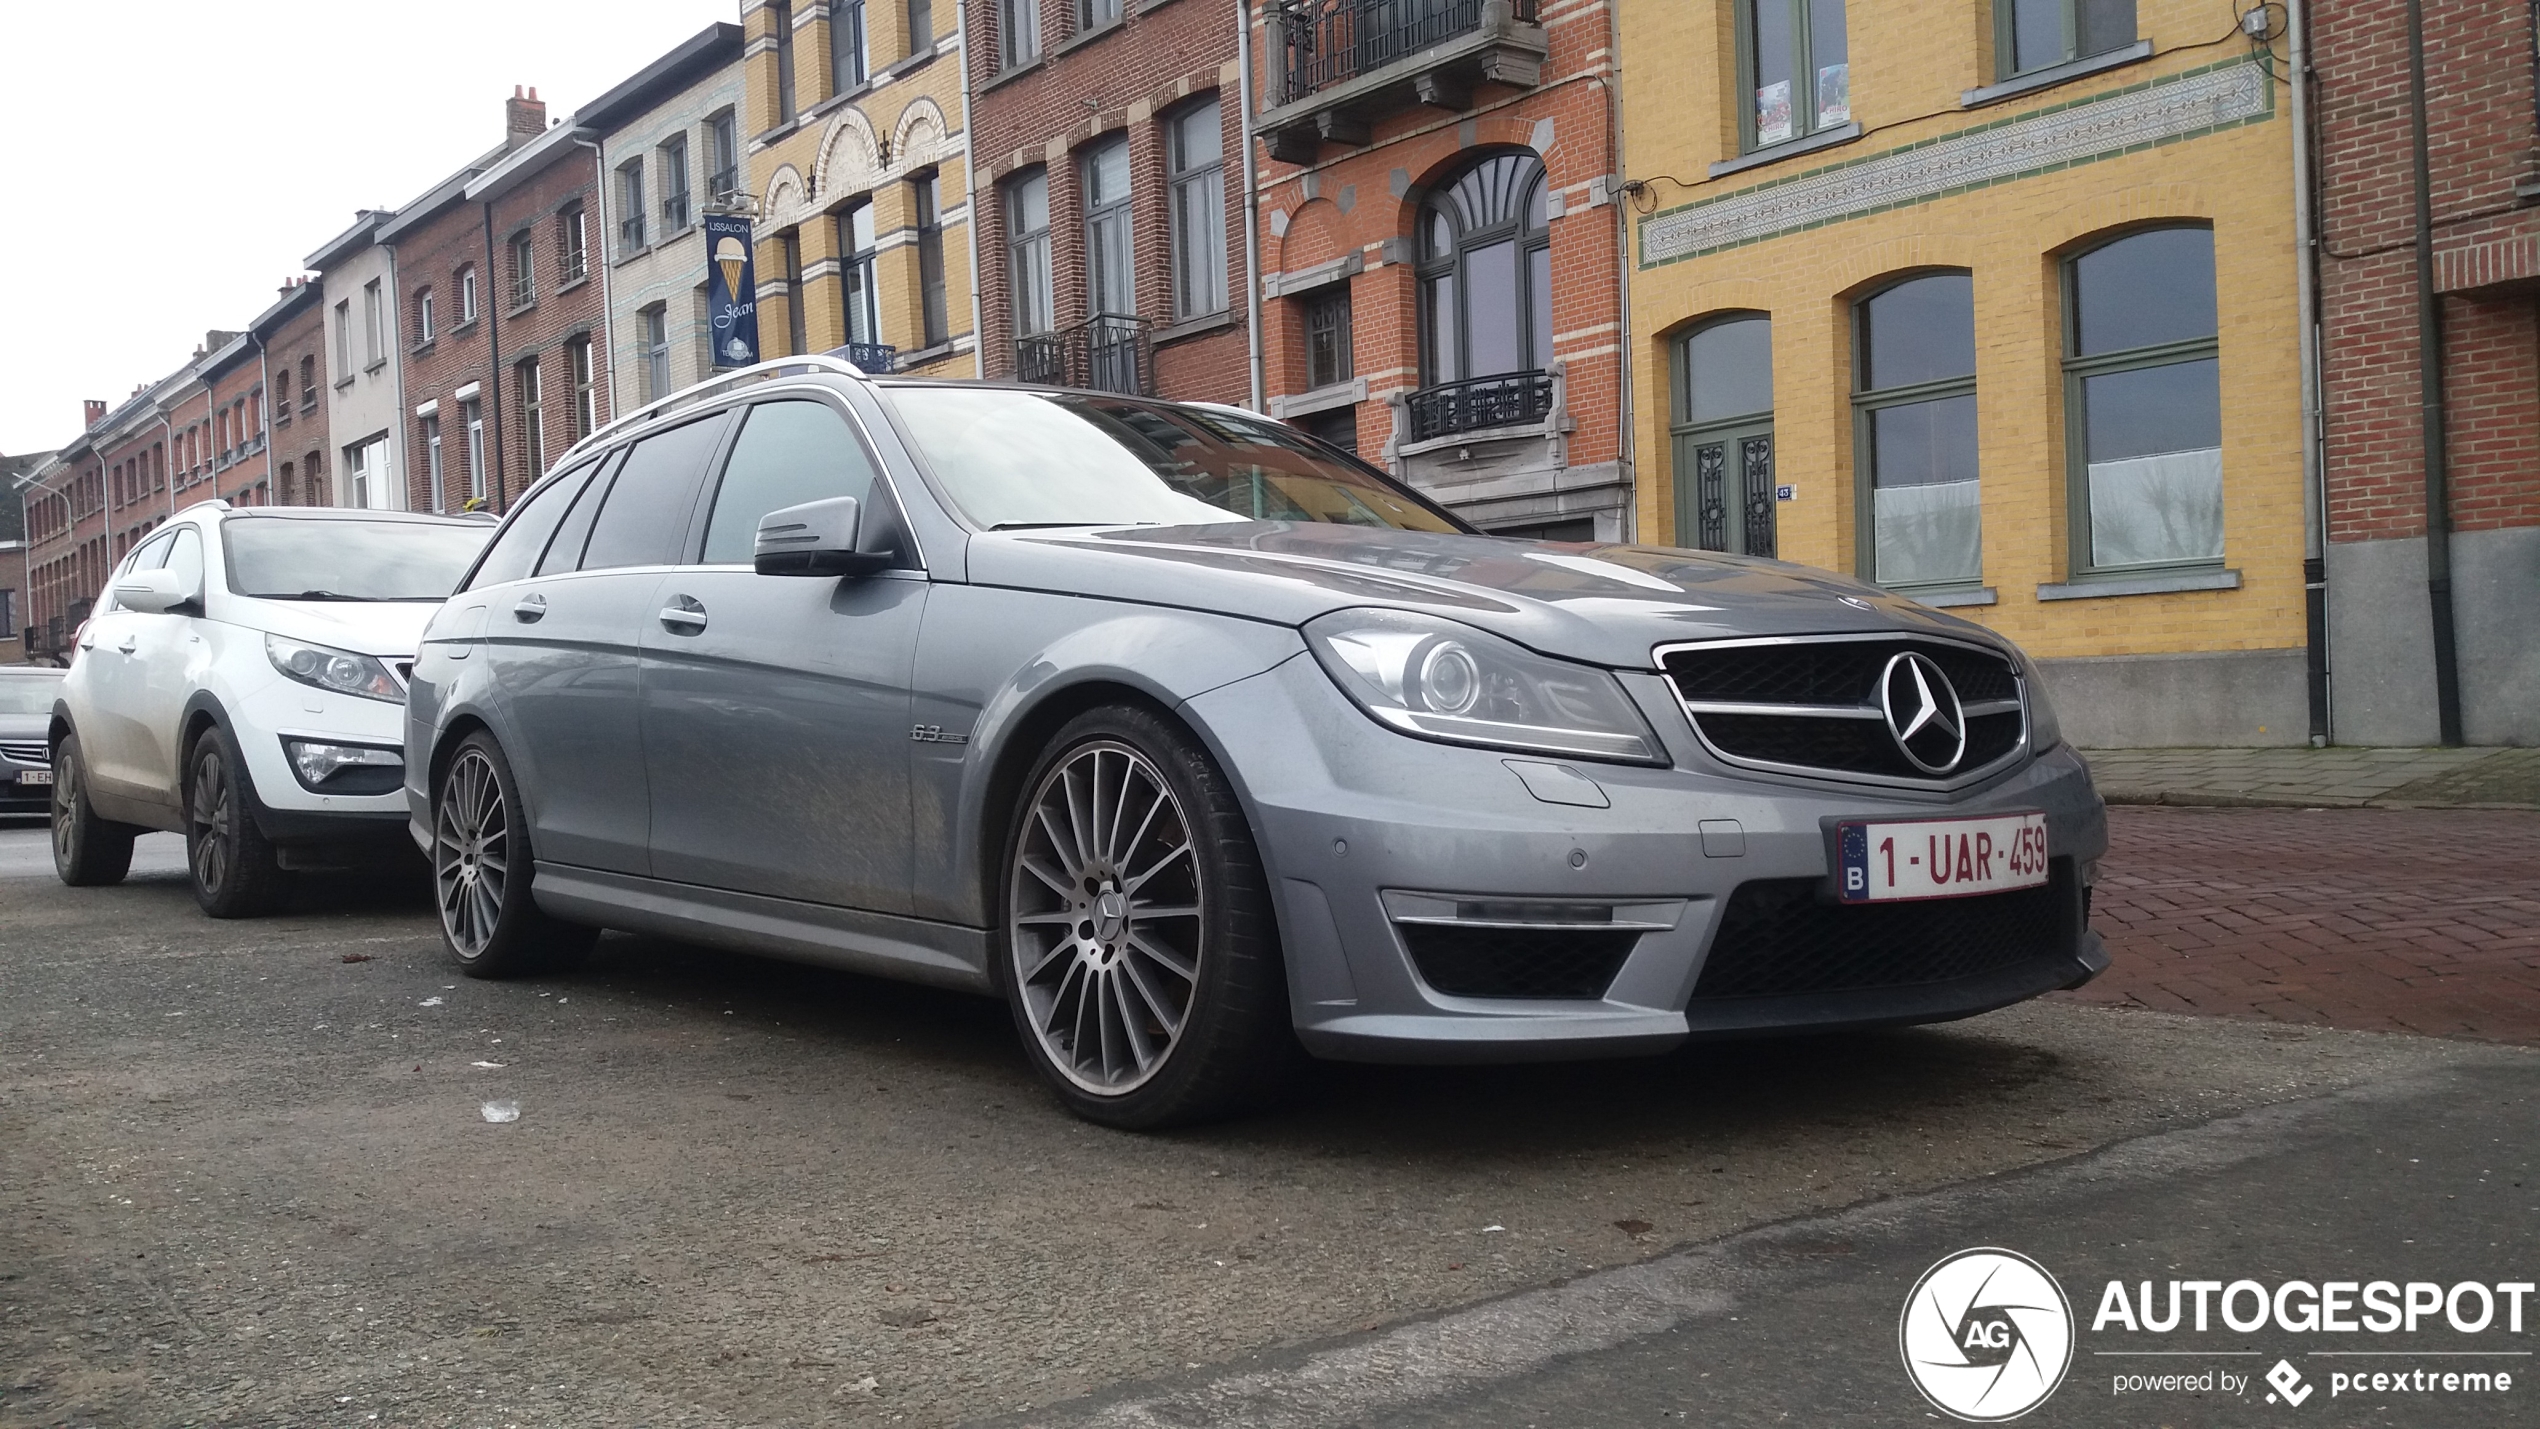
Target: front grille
[(1779, 937), (1812, 705), (1517, 962), (27, 751)]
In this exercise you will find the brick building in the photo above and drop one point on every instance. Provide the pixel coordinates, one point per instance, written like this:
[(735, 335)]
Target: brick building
[(293, 335), (2482, 184), (360, 363), (233, 376), (548, 326), (1440, 247), (15, 474), (1109, 139)]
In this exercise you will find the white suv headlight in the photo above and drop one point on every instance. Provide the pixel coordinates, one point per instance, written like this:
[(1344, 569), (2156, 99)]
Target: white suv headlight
[(1439, 679), (339, 670)]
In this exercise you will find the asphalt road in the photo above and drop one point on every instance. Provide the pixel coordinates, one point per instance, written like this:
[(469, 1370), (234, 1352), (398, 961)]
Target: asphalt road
[(246, 1177)]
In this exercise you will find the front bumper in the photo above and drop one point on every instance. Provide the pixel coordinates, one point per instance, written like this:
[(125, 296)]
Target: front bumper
[(1370, 838), (289, 811)]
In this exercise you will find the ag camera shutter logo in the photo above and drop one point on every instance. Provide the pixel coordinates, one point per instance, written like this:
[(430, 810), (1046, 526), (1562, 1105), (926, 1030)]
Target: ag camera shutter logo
[(1986, 1335)]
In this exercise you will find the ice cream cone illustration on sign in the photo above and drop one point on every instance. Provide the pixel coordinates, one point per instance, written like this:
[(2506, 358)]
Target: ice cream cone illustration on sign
[(731, 257)]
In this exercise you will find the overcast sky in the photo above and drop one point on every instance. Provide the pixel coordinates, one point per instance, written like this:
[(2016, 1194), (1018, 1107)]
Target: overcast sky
[(168, 165)]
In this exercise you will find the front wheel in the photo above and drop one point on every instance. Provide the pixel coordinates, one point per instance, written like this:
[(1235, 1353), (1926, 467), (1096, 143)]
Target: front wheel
[(88, 852), (1140, 959), (481, 867), (236, 872)]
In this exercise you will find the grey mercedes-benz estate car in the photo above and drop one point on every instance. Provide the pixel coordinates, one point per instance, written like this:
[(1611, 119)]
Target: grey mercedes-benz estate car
[(1194, 739)]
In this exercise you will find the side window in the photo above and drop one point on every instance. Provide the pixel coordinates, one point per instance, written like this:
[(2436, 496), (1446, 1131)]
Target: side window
[(517, 545), (573, 529), (648, 506), (186, 559), (153, 555), (788, 453)]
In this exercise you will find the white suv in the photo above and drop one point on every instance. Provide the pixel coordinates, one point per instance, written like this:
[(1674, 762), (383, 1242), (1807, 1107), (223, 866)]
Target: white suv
[(243, 680)]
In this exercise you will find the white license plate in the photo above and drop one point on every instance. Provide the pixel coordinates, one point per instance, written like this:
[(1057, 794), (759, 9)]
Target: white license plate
[(35, 776), (1939, 858)]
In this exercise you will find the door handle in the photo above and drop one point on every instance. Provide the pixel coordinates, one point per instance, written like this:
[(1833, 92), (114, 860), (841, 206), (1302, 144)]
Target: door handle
[(530, 607), (128, 644), (685, 616)]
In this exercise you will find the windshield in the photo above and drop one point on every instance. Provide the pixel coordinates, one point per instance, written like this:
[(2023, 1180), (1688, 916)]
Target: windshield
[(281, 559), (28, 694), (1013, 460)]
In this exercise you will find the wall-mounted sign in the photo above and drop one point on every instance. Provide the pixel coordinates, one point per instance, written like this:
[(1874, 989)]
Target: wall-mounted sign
[(731, 290)]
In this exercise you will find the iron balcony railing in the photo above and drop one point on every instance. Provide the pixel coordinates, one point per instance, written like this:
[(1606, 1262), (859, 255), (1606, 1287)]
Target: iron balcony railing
[(1328, 41), (722, 184), (1509, 399), (630, 233), (1108, 353), (674, 213)]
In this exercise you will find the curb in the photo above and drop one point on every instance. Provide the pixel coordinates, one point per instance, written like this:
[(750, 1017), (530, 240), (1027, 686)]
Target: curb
[(2206, 799)]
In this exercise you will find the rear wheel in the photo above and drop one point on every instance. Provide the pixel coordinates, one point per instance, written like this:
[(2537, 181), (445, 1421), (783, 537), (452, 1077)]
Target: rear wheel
[(1140, 960), (481, 870), (88, 852), (236, 872)]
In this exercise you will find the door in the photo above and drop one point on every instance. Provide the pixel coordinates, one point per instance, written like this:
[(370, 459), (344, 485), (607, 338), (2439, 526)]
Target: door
[(165, 662), (776, 708), (112, 737), (561, 647), (1730, 499)]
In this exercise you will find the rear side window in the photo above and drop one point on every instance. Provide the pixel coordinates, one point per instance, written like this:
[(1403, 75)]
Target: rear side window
[(788, 453), (517, 545), (564, 553), (647, 508)]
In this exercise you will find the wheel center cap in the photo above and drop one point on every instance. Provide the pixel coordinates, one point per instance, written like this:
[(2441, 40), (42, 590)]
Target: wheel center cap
[(1111, 910)]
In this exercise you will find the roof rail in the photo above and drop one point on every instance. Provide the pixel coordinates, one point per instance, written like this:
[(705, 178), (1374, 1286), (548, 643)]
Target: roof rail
[(714, 386)]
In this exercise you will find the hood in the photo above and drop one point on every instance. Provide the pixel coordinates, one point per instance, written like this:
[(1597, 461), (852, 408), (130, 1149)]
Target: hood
[(19, 727), (384, 628), (1608, 604)]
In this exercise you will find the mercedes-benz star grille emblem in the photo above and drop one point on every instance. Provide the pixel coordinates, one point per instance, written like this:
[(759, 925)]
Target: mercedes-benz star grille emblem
[(1923, 712)]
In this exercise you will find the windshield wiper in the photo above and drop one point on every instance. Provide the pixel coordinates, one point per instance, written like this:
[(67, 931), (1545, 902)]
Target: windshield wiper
[(328, 595), (1044, 525)]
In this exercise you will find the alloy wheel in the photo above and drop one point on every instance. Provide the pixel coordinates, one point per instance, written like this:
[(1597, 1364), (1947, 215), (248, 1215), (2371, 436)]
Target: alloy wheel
[(471, 852), (212, 854), (1106, 917), (65, 812)]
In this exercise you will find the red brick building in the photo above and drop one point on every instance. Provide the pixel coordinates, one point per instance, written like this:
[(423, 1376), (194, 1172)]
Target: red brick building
[(1440, 248), (234, 375), (293, 335), (1107, 143), (2483, 186)]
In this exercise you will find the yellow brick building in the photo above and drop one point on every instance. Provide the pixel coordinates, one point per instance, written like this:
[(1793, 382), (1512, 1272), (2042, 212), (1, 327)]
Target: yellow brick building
[(1993, 302), (861, 168)]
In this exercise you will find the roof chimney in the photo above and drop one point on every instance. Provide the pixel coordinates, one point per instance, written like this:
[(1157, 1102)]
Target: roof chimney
[(524, 117), (94, 410)]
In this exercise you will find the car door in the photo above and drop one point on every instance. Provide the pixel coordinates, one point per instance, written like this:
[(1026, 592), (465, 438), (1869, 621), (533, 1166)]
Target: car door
[(167, 661), (776, 708), (562, 649), (112, 737)]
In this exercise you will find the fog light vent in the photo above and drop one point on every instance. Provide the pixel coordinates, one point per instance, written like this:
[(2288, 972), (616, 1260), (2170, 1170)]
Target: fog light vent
[(1561, 963)]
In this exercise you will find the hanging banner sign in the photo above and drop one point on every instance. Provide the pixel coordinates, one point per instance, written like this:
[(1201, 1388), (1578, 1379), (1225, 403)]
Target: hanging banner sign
[(731, 290)]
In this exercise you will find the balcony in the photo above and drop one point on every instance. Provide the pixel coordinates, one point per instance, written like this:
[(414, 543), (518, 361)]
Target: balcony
[(723, 185), (630, 234), (874, 358), (1110, 353), (1342, 64), (1509, 399), (674, 213)]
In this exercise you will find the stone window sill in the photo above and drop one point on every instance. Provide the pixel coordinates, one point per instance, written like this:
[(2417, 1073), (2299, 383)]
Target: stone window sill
[(1083, 38), (376, 364), (1009, 76), (519, 308), (343, 382), (1950, 599), (1788, 149), (421, 348), (2157, 583), (908, 361), (463, 329), (631, 254), (1320, 399), (1194, 327), (2054, 75), (563, 289), (1149, 7)]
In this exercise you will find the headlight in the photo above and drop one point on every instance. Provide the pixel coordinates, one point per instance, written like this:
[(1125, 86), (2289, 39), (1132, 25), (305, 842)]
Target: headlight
[(339, 670), (2043, 732), (1441, 680), (320, 762)]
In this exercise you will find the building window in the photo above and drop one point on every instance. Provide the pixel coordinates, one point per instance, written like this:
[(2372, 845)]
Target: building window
[(723, 149), (850, 59), (1722, 429), (308, 383), (1111, 275), (1794, 67), (1328, 359), (374, 342), (674, 184), (524, 269), (2036, 34), (630, 207), (656, 321), (343, 339), (789, 248), (573, 245), (781, 13), (2143, 402), (1914, 406), (432, 471), (472, 414), (586, 411), (282, 394), (467, 294), (366, 464), (921, 26), (423, 325), (1094, 14), (1196, 174), (1027, 251), (858, 291), (1018, 32), (1486, 273), (927, 191), (529, 401)]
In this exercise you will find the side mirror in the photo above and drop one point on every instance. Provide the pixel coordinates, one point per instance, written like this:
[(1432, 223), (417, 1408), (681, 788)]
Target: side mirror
[(818, 538), (151, 592)]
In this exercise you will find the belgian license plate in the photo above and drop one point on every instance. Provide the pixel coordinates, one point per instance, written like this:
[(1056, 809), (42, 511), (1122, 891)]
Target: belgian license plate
[(35, 776), (1940, 858)]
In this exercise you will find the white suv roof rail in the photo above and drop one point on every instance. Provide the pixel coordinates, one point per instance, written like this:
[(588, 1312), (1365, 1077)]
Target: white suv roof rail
[(714, 386)]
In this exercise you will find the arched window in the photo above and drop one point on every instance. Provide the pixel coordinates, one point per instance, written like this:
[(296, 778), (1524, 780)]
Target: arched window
[(1486, 273), (1723, 427), (1914, 413), (2143, 402)]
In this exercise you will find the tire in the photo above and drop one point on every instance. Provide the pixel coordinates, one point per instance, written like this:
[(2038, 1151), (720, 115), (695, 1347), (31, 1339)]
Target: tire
[(88, 852), (481, 872), (236, 873), (1143, 971)]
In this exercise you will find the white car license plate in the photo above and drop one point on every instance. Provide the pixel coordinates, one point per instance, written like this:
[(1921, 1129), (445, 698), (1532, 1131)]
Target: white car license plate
[(35, 776), (1940, 858)]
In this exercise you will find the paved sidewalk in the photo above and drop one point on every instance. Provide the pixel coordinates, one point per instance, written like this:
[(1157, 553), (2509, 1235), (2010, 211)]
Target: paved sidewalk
[(2342, 776), (2398, 920)]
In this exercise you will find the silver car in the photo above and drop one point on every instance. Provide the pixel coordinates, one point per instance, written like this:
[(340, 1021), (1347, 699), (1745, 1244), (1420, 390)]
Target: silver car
[(1195, 740)]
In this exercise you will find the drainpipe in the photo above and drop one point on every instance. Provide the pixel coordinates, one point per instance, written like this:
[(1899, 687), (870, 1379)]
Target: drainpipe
[(2438, 497), (264, 409), (2314, 455), (970, 201), (490, 295), (397, 350), (1628, 453), (606, 366), (1252, 208)]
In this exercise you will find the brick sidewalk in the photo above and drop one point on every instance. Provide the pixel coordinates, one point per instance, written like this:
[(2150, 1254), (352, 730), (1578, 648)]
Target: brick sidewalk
[(2396, 920), (2342, 776)]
